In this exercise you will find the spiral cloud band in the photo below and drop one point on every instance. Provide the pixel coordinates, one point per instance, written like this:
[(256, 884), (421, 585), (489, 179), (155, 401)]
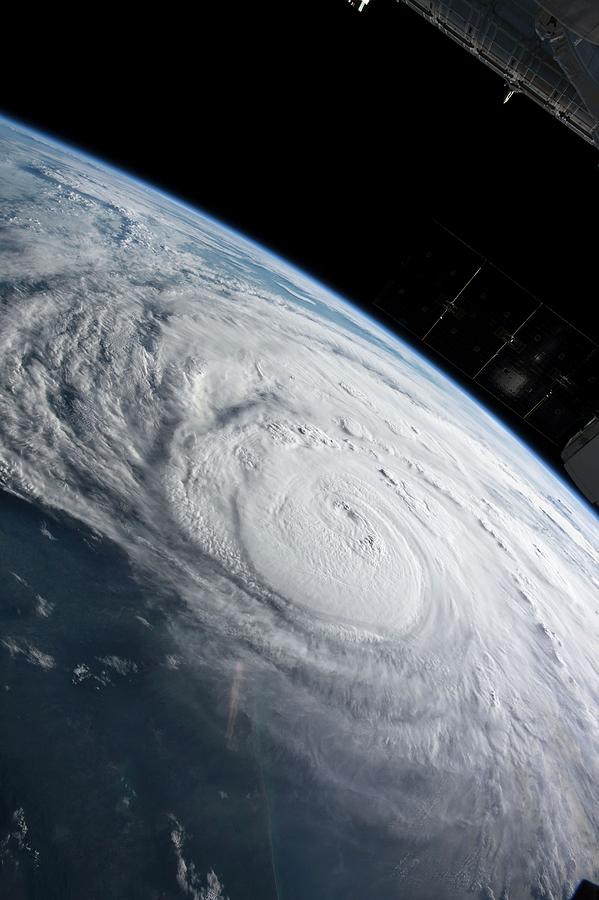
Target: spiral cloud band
[(413, 591)]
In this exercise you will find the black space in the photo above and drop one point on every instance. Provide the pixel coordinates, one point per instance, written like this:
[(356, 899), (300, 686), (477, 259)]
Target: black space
[(329, 136)]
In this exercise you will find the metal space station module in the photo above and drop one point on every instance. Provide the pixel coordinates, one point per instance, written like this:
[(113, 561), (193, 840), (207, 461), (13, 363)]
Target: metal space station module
[(506, 340), (461, 306), (545, 49)]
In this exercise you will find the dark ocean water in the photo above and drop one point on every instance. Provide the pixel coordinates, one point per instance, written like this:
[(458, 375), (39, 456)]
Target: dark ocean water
[(102, 760), (114, 747)]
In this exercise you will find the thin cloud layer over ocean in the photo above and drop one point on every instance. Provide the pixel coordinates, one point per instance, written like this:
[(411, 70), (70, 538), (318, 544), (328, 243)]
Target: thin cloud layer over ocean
[(402, 593)]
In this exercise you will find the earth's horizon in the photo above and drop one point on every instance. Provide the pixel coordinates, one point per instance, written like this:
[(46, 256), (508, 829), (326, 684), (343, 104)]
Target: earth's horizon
[(285, 613)]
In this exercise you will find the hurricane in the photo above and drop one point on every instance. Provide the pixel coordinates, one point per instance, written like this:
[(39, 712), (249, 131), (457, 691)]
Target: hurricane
[(395, 595)]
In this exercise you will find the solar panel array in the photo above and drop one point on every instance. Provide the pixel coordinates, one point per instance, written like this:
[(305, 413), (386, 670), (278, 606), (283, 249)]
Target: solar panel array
[(497, 333)]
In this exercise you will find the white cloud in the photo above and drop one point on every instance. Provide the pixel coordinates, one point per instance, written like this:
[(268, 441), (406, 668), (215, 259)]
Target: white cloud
[(321, 500)]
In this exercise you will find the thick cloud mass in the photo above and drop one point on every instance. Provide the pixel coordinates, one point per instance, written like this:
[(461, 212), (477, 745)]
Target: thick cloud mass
[(416, 594)]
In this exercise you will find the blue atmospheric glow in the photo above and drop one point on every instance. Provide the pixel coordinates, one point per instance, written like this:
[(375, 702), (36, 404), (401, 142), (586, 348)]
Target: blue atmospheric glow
[(321, 286)]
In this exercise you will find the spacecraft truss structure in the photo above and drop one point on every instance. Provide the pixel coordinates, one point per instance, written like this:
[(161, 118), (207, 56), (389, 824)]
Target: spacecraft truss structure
[(545, 49)]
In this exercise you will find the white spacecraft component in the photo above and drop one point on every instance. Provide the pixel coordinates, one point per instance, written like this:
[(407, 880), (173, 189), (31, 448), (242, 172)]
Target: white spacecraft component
[(359, 4), (581, 460), (545, 49)]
